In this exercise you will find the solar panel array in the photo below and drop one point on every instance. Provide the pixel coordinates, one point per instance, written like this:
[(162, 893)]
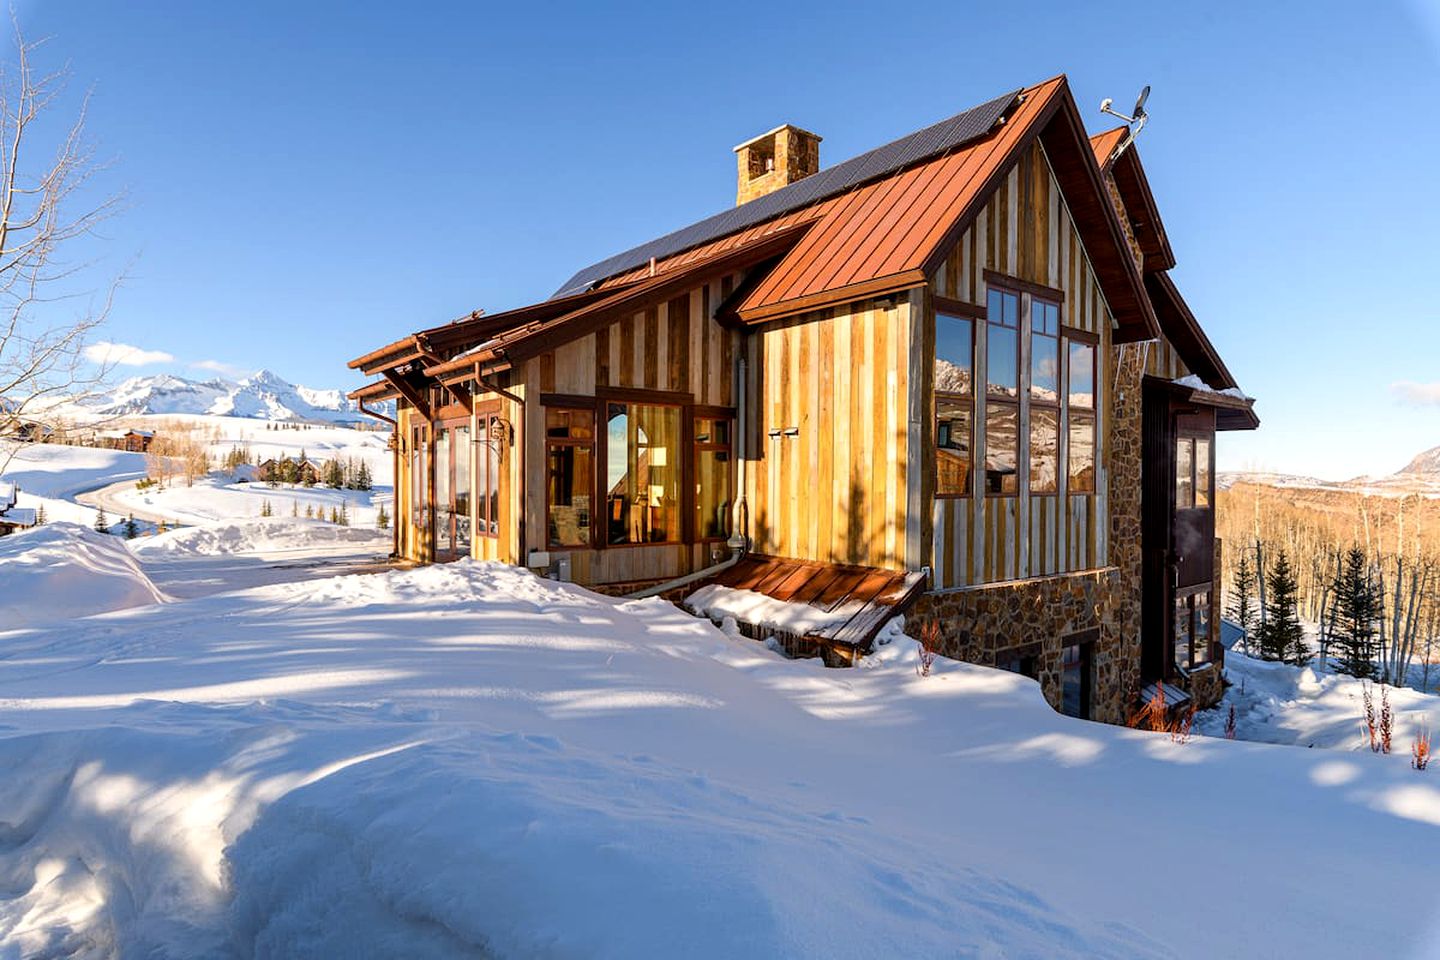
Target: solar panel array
[(920, 145)]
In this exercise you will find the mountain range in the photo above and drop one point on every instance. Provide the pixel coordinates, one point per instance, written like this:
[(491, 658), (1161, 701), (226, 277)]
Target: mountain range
[(1421, 475), (261, 396)]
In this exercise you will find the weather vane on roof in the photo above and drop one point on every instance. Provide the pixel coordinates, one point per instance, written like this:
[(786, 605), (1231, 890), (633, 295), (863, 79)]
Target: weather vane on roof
[(1136, 120)]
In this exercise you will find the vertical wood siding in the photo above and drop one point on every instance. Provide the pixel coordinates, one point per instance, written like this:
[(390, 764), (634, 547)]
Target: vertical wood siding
[(839, 489), (1025, 231)]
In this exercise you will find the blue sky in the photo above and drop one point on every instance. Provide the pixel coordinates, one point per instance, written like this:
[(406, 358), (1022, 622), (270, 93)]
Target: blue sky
[(307, 181)]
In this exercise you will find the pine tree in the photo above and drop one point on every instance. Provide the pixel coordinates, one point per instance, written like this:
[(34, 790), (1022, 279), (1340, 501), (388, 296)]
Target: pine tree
[(40, 518), (1242, 596), (131, 530), (294, 508), (1357, 609), (363, 480), (309, 512), (1281, 635), (344, 513), (334, 515), (382, 519), (265, 509), (102, 522)]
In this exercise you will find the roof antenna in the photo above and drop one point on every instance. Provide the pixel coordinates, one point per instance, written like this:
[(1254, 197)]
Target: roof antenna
[(1136, 120)]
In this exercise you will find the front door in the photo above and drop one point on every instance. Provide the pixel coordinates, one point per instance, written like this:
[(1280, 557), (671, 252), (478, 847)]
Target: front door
[(452, 489)]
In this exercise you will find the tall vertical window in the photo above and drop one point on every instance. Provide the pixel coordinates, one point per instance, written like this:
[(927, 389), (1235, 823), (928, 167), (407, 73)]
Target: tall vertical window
[(954, 404), (1076, 676), (1002, 393), (452, 487), (713, 494), (487, 479), (642, 473), (1080, 398), (570, 475), (419, 478), (1192, 630), (1044, 396), (1194, 474)]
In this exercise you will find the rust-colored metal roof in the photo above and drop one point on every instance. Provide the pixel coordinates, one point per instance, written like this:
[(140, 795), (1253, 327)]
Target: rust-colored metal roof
[(891, 228), (1104, 145), (864, 597), (379, 390)]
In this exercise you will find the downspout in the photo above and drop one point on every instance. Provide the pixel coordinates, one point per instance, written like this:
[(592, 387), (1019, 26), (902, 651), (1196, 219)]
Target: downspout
[(739, 542), (394, 475)]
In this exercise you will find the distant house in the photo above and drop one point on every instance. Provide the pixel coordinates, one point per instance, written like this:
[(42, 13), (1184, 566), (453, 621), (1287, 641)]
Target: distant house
[(952, 374), (13, 518), (132, 441)]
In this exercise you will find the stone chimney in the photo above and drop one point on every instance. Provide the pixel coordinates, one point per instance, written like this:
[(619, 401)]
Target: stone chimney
[(774, 160)]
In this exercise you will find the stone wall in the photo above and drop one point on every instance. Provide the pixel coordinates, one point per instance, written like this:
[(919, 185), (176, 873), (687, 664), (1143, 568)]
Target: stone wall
[(995, 623)]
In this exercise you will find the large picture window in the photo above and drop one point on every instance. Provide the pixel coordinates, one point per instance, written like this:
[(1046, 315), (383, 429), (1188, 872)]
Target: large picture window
[(642, 473), (452, 488), (1080, 399), (954, 404), (570, 475), (1044, 396), (1002, 393), (713, 495)]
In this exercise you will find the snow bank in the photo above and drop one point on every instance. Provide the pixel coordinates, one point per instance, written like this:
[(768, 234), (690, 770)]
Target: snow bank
[(62, 570), (258, 535), (469, 760), (747, 606)]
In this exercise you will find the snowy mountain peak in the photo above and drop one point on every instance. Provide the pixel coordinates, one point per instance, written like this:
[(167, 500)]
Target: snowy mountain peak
[(264, 395), (1425, 463)]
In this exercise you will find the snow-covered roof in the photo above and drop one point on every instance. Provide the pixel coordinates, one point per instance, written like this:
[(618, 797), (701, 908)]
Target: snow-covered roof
[(7, 495), (1200, 386), (18, 516)]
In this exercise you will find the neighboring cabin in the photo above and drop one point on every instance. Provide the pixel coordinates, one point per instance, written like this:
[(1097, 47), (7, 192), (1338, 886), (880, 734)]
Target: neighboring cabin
[(13, 518), (950, 376)]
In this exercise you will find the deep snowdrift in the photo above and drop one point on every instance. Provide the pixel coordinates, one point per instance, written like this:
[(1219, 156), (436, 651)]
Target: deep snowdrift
[(256, 535), (469, 761), (63, 570)]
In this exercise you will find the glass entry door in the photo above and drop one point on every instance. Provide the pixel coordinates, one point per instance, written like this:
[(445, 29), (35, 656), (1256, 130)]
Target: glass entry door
[(452, 489)]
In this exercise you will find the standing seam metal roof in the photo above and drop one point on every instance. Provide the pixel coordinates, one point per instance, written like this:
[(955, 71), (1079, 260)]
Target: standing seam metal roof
[(920, 145)]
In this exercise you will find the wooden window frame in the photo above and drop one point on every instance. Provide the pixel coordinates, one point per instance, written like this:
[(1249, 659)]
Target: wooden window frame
[(485, 420), (942, 311), (1012, 287), (692, 468), (688, 502), (1188, 595), (1085, 642), (1192, 437), (1060, 405), (588, 404)]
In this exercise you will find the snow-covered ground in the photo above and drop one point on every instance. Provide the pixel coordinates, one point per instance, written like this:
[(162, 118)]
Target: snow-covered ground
[(470, 761), (63, 570), (55, 475), (1313, 706)]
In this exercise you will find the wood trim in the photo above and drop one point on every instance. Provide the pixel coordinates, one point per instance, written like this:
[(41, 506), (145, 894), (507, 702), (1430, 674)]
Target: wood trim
[(959, 308), (727, 314), (711, 412), (1079, 336), (1016, 285), (665, 398), (855, 291), (571, 400)]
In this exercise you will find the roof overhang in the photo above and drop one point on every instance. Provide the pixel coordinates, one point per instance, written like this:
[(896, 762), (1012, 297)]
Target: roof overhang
[(1233, 411), (1183, 331)]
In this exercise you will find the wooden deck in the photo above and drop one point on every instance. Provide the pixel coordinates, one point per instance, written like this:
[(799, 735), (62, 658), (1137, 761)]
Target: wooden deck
[(867, 596)]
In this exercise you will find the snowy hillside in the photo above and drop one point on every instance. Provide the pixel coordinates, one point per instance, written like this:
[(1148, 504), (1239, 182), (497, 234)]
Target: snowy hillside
[(1427, 463), (466, 760), (263, 396)]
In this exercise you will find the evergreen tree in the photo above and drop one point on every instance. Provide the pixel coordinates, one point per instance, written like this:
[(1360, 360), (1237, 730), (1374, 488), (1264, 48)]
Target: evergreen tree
[(334, 515), (131, 530), (1242, 595), (1281, 637), (1357, 609), (102, 522), (289, 471), (309, 512), (334, 474), (362, 476), (40, 518), (382, 519), (344, 513), (294, 508), (265, 510)]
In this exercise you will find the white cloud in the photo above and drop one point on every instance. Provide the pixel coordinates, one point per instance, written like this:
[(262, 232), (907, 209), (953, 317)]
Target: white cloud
[(220, 367), (1417, 394), (125, 355)]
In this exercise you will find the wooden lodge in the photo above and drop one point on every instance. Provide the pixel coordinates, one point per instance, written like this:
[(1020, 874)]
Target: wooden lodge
[(950, 376)]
